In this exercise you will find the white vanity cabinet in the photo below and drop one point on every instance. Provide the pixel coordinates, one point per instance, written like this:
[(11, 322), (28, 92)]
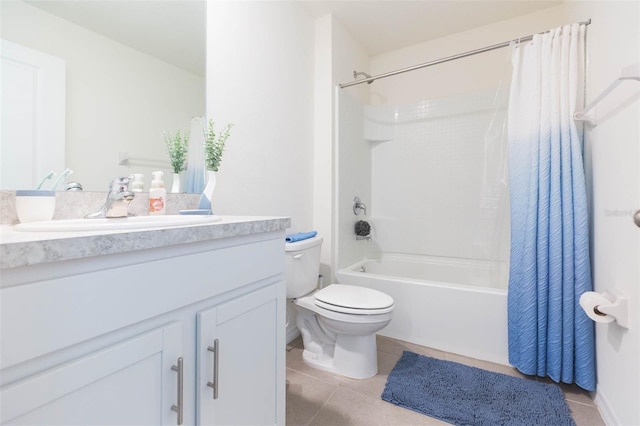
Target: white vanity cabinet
[(235, 368), (124, 384), (125, 339)]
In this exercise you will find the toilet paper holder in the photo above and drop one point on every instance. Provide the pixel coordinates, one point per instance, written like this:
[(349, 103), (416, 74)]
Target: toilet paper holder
[(615, 305)]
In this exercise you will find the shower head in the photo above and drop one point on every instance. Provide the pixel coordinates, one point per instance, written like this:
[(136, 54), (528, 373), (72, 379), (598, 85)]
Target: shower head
[(356, 74)]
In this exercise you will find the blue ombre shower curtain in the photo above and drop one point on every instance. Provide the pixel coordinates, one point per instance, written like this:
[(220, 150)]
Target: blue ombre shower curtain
[(195, 176), (549, 334)]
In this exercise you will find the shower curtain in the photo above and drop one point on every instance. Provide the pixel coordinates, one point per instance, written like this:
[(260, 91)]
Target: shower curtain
[(195, 176), (549, 334)]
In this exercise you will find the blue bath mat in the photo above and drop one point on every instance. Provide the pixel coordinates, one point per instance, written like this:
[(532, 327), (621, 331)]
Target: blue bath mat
[(463, 395)]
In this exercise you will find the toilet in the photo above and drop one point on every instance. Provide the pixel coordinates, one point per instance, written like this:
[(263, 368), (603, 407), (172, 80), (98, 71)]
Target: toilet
[(339, 322)]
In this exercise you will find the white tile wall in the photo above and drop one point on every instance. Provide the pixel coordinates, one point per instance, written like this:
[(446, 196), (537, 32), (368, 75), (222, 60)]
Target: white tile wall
[(436, 177), (354, 178)]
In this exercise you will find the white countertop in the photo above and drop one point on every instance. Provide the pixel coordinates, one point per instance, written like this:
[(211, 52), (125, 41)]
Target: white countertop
[(32, 248)]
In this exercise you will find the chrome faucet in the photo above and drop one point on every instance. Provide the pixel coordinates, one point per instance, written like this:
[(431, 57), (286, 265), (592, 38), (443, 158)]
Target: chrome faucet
[(118, 199)]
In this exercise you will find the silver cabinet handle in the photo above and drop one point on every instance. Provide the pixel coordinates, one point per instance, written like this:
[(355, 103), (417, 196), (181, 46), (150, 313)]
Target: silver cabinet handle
[(179, 408), (216, 354), (636, 218)]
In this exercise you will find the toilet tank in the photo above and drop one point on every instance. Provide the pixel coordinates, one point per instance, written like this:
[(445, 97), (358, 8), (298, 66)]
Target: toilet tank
[(302, 266)]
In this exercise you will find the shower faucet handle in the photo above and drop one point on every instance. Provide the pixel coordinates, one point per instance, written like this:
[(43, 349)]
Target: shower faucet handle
[(358, 206)]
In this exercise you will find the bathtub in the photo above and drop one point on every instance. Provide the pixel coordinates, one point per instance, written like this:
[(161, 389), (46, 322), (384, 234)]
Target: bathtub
[(455, 305)]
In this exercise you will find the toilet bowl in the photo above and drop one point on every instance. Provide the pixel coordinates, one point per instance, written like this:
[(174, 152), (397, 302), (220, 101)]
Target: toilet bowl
[(339, 339), (337, 323)]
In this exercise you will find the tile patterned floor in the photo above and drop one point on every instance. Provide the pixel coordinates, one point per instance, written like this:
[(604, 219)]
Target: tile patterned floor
[(315, 397)]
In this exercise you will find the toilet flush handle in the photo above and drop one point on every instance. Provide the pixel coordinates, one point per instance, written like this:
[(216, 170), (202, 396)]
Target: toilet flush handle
[(298, 256)]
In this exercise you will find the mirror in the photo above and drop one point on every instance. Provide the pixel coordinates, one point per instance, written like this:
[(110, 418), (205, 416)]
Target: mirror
[(132, 70)]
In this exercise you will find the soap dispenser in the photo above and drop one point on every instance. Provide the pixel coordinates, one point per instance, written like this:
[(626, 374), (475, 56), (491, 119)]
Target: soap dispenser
[(138, 184), (157, 194)]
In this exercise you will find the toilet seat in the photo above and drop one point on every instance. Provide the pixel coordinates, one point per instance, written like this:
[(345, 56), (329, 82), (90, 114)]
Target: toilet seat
[(309, 303), (349, 299)]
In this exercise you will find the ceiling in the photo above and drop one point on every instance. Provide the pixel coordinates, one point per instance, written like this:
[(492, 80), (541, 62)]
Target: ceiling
[(383, 26), (174, 30)]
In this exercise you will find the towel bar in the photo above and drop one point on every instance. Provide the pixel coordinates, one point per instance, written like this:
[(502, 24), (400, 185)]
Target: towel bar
[(631, 72)]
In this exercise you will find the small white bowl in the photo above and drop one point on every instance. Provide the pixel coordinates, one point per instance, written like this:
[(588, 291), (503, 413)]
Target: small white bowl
[(35, 205)]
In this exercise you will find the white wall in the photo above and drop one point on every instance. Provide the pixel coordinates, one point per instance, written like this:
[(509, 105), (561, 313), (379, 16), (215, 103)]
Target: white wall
[(612, 157), (260, 77), (323, 149), (613, 41), (353, 179), (352, 158), (118, 99), (438, 181), (465, 75), (338, 54), (260, 71)]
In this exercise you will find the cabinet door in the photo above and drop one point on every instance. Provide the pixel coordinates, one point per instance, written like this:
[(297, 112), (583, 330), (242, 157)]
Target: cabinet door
[(250, 360), (129, 383)]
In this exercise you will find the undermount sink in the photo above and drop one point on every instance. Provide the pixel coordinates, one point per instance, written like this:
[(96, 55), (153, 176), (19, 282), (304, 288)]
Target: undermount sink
[(116, 224)]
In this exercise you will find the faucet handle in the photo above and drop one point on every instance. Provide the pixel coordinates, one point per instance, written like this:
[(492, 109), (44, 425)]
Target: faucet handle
[(359, 206), (120, 184), (118, 199)]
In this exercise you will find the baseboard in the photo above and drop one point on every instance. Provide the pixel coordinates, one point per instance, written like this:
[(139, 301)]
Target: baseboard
[(606, 412)]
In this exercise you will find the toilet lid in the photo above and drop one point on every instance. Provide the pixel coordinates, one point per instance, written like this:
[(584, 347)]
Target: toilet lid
[(353, 298)]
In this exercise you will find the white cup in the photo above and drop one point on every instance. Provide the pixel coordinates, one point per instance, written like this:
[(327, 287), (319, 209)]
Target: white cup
[(35, 205)]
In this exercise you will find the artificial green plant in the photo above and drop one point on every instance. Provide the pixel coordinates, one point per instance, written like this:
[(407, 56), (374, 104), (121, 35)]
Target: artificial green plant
[(177, 146), (214, 145)]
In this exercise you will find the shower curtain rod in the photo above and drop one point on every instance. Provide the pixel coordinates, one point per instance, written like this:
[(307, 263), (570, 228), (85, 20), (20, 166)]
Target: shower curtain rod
[(447, 59)]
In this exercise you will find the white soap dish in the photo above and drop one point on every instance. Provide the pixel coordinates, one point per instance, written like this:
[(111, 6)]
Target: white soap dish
[(203, 212)]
